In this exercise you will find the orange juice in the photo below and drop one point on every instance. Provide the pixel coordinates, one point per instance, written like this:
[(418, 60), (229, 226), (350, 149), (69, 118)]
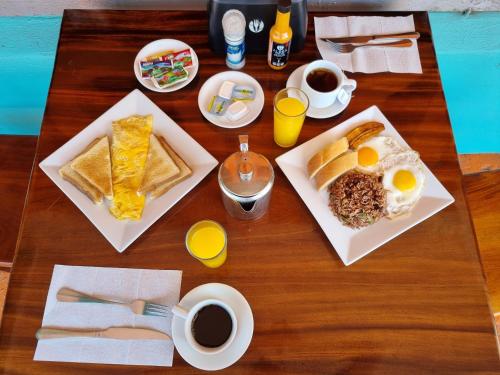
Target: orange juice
[(206, 241), (289, 115)]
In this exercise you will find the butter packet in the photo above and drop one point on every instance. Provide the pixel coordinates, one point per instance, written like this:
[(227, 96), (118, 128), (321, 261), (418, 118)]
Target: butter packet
[(218, 105), (170, 77), (243, 92)]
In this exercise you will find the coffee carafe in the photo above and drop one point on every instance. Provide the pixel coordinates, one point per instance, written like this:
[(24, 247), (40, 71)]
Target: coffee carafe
[(246, 180)]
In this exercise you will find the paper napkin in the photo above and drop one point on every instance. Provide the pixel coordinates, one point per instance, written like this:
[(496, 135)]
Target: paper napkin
[(371, 59), (125, 284)]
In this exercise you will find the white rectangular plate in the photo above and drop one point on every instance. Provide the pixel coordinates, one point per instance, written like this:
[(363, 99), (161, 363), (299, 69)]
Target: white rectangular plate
[(353, 244), (122, 233)]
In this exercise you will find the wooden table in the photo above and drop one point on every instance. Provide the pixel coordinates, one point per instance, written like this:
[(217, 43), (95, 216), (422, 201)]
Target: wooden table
[(415, 305)]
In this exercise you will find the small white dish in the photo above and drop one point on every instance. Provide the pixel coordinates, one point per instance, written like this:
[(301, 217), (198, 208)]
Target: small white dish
[(121, 233), (353, 244), (241, 341), (211, 87), (160, 46), (295, 80)]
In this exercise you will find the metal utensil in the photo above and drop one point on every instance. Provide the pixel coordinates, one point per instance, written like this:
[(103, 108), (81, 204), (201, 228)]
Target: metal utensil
[(119, 333), (367, 38), (347, 48), (139, 307)]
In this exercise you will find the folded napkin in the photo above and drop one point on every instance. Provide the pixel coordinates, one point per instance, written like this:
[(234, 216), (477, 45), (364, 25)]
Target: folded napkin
[(114, 283), (371, 59)]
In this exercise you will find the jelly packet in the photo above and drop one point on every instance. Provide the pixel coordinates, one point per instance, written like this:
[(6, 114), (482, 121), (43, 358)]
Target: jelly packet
[(150, 69), (243, 92), (182, 57), (170, 77), (218, 105)]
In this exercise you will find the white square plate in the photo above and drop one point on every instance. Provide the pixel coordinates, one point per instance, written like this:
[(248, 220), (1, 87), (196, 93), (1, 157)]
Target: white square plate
[(122, 233), (353, 244)]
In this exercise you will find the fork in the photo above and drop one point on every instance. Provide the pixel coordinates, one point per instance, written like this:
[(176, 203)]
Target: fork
[(347, 48), (139, 306)]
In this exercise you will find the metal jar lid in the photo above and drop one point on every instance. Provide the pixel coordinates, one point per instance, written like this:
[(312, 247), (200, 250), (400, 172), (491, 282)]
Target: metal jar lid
[(246, 175)]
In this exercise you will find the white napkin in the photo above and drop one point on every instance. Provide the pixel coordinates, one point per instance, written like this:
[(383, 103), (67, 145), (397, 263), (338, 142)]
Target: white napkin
[(117, 283), (371, 59)]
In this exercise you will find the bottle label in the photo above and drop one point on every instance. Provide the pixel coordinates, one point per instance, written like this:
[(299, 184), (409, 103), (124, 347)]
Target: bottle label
[(279, 53), (235, 52)]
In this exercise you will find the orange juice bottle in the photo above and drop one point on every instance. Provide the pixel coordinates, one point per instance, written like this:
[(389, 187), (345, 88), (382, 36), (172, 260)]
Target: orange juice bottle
[(280, 37)]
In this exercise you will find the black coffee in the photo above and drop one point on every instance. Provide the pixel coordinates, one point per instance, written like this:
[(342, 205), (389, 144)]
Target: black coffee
[(212, 326), (322, 80)]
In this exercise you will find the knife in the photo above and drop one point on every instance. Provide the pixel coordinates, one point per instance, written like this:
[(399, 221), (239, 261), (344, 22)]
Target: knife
[(119, 333), (367, 38)]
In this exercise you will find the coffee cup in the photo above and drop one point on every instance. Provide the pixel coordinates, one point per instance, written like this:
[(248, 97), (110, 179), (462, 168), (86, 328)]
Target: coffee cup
[(324, 83), (209, 326)]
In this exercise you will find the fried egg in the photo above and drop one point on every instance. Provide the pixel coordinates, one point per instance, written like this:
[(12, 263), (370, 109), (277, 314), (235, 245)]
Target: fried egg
[(373, 151), (403, 180)]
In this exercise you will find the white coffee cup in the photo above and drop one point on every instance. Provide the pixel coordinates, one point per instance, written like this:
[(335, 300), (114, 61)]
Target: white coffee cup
[(189, 315), (318, 99)]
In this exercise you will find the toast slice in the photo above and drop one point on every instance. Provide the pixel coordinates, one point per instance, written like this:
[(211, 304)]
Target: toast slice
[(335, 168), (160, 168), (185, 171), (80, 183), (94, 165), (326, 155)]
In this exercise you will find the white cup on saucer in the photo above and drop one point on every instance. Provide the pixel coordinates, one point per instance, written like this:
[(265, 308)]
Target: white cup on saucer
[(319, 99), (189, 317)]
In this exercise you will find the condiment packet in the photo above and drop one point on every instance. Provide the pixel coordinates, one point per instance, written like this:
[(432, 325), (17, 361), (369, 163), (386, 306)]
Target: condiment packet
[(160, 56), (150, 69), (182, 57), (243, 92), (218, 105), (170, 77)]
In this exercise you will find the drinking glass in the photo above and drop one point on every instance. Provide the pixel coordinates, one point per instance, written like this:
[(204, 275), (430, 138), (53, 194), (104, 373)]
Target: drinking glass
[(206, 241), (290, 107)]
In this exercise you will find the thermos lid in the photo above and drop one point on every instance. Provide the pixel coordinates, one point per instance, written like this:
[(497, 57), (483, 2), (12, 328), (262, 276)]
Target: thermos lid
[(246, 174)]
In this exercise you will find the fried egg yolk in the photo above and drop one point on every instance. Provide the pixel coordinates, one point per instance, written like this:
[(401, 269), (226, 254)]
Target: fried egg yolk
[(404, 180), (367, 156)]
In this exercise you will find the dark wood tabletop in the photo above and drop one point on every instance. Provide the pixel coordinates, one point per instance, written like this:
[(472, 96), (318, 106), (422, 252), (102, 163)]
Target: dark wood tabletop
[(415, 305)]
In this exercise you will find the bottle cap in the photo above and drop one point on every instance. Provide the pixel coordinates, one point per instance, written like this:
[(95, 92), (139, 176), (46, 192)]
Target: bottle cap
[(284, 6)]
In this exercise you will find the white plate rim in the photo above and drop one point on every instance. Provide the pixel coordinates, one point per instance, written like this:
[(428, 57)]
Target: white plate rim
[(375, 114), (193, 70), (223, 360), (245, 120)]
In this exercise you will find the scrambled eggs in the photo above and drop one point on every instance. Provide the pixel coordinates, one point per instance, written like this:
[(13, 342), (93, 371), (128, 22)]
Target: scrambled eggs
[(129, 151)]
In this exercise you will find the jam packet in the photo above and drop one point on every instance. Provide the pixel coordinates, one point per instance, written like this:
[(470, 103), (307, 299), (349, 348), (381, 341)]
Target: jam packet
[(243, 92), (218, 105), (182, 57), (150, 69), (170, 77)]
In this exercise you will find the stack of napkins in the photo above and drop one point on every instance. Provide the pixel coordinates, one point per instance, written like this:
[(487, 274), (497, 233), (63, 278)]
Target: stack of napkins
[(122, 284), (369, 59)]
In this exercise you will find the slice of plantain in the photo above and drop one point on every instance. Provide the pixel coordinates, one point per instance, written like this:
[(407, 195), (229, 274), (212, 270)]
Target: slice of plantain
[(364, 132)]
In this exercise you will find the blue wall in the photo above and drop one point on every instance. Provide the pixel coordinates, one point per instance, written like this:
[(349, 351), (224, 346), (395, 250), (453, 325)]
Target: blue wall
[(468, 50), (27, 52)]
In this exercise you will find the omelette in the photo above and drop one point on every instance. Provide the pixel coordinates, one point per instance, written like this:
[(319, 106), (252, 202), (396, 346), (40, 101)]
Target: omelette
[(129, 151)]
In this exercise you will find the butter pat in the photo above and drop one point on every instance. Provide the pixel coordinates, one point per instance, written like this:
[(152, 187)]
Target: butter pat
[(236, 111), (226, 89)]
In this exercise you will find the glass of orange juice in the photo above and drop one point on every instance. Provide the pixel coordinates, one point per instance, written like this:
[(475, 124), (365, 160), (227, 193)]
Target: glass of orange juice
[(290, 107), (206, 241)]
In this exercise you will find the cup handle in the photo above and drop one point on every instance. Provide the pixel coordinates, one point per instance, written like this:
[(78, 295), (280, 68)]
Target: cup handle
[(348, 87), (180, 311)]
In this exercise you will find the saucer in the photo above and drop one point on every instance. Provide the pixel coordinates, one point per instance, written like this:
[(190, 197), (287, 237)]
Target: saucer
[(295, 80), (211, 87), (244, 332), (165, 45)]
